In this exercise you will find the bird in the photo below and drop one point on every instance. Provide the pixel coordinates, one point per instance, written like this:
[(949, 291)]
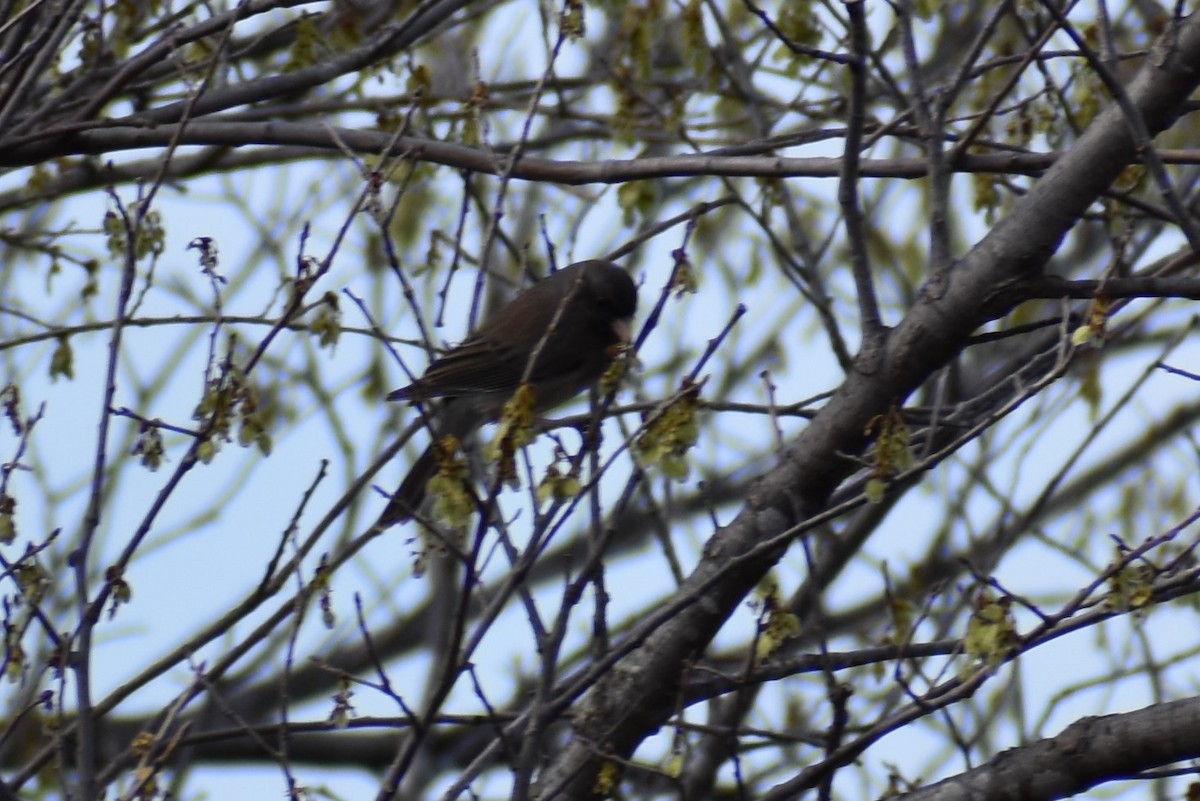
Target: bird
[(559, 335)]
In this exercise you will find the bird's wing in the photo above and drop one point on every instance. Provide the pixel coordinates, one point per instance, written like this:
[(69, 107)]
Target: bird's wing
[(480, 365)]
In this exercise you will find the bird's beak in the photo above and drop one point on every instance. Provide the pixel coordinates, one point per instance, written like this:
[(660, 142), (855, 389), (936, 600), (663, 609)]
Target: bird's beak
[(623, 328)]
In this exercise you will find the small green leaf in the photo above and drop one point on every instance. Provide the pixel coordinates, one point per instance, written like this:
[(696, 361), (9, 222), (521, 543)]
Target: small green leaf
[(991, 631), (574, 24), (62, 360)]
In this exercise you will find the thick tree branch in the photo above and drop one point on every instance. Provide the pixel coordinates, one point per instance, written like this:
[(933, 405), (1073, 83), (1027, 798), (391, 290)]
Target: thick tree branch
[(95, 139), (1087, 753)]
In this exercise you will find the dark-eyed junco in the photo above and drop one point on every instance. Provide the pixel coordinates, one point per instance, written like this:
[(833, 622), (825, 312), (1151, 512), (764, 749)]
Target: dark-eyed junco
[(560, 335)]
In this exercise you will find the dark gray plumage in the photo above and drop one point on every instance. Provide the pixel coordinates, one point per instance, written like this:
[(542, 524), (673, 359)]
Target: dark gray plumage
[(597, 301)]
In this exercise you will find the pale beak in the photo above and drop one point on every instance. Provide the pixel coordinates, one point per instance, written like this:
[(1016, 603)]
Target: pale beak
[(623, 328)]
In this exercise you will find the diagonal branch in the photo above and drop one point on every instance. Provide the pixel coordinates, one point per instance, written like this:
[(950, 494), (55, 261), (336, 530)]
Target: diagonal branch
[(1086, 753)]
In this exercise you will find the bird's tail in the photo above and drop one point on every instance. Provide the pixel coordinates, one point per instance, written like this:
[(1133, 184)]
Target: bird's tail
[(456, 419), (406, 501)]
